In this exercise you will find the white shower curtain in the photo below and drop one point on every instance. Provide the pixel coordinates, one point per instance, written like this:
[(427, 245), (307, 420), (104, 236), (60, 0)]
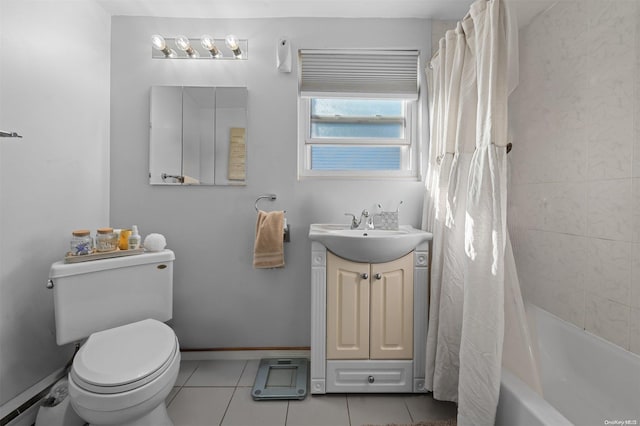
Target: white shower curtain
[(465, 208)]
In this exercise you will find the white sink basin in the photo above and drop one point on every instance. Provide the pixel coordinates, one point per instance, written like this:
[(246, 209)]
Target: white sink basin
[(368, 245)]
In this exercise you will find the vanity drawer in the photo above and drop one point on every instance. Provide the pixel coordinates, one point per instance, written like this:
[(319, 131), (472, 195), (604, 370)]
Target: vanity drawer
[(369, 376)]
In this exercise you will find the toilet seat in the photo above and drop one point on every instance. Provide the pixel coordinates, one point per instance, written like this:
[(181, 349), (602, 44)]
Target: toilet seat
[(124, 358)]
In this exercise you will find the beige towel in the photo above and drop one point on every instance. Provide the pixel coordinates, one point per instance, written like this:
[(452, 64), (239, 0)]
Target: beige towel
[(268, 251)]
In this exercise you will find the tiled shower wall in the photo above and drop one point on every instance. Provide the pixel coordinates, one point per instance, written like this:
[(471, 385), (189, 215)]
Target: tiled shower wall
[(575, 190)]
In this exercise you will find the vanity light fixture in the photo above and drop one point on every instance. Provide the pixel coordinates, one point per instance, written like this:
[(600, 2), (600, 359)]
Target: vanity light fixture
[(209, 43), (232, 43), (205, 47), (158, 42), (184, 44)]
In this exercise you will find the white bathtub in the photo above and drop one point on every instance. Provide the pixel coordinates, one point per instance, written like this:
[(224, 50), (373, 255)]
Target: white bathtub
[(585, 379)]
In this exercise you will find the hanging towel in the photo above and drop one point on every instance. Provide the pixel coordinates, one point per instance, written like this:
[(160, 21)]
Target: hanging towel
[(268, 251)]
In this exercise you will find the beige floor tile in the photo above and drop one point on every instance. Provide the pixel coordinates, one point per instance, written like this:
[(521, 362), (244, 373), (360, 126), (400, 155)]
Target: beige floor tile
[(424, 407), (199, 406), (186, 370), (217, 373), (244, 411), (249, 373), (320, 410), (377, 409)]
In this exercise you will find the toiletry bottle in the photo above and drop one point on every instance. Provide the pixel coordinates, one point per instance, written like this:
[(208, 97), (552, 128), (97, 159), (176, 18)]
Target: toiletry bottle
[(134, 239)]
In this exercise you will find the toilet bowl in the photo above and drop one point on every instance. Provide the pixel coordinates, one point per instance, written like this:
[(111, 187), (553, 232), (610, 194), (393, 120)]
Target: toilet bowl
[(121, 376)]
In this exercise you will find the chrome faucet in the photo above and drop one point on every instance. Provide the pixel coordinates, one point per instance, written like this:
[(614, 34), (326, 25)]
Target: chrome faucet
[(355, 223)]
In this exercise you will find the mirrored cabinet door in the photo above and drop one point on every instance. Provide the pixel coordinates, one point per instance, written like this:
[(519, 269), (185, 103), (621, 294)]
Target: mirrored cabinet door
[(198, 135)]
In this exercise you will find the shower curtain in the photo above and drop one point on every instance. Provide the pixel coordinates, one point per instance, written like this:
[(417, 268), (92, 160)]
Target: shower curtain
[(465, 208)]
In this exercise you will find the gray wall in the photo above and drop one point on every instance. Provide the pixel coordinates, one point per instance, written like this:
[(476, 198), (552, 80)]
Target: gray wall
[(219, 299), (54, 90), (575, 198)]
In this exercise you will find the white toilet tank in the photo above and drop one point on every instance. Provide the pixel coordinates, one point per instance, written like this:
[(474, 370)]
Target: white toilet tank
[(101, 294)]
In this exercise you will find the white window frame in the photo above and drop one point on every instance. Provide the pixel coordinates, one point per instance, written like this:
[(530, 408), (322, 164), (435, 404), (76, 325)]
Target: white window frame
[(360, 74), (408, 159)]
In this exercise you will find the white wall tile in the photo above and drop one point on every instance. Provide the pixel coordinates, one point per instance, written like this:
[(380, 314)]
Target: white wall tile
[(576, 131), (608, 272), (634, 330), (559, 207), (559, 261), (565, 207), (636, 150), (565, 301), (636, 209), (635, 276), (609, 209), (607, 319)]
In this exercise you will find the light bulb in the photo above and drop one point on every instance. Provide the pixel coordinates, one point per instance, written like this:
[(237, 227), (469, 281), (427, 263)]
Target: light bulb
[(232, 43), (209, 43), (183, 43), (158, 43)]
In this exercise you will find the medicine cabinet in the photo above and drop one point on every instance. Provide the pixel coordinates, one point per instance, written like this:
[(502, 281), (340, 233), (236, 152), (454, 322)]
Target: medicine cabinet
[(198, 135)]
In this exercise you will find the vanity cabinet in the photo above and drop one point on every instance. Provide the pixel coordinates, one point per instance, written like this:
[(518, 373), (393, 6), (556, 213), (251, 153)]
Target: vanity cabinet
[(369, 323), (369, 309)]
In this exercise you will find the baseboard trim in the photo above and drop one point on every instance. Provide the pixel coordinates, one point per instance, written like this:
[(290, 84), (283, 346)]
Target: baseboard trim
[(245, 353), (22, 409)]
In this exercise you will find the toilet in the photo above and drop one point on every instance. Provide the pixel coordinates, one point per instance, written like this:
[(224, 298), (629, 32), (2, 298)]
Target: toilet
[(129, 362)]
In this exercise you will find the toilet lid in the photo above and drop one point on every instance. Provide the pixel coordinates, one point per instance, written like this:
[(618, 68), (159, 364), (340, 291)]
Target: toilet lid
[(124, 358)]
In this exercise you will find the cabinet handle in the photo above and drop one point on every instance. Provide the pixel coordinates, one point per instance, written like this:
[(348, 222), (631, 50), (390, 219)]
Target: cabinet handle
[(364, 276), (378, 276), (371, 379)]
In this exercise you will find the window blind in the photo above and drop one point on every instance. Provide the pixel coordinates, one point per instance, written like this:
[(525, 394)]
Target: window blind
[(359, 73)]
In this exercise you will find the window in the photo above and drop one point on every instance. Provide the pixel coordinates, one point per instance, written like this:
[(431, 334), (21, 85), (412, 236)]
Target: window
[(356, 114)]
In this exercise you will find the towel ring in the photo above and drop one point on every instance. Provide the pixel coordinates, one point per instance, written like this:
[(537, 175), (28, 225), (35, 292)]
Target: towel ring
[(271, 197)]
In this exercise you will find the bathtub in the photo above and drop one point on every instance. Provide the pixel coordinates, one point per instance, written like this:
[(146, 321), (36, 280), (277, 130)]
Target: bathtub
[(585, 380)]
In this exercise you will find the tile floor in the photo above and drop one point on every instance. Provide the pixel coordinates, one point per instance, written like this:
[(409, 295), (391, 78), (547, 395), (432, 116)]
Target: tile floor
[(210, 393)]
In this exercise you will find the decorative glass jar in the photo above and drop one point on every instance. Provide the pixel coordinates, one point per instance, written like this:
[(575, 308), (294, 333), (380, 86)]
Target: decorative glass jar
[(106, 240), (81, 242)]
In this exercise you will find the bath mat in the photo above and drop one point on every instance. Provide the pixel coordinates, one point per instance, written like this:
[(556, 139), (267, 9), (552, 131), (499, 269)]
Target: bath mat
[(446, 422)]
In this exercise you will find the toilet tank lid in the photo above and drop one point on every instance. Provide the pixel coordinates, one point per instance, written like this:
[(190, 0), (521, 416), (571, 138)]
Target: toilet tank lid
[(61, 269)]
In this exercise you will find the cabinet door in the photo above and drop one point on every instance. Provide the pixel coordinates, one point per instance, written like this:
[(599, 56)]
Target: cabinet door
[(347, 309), (392, 309)]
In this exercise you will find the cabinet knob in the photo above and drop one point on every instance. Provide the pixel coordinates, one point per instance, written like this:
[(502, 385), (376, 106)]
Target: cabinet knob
[(371, 379), (364, 276), (378, 276)]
